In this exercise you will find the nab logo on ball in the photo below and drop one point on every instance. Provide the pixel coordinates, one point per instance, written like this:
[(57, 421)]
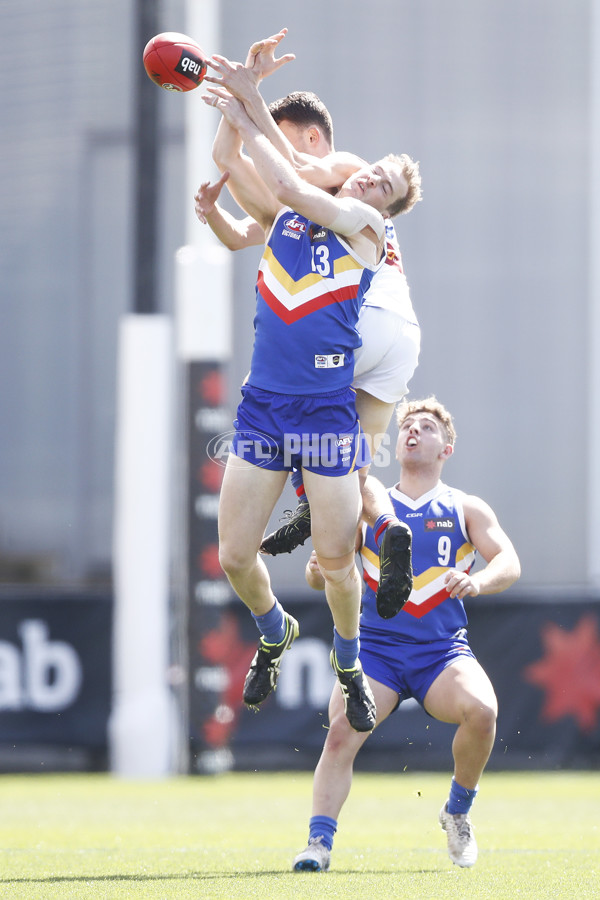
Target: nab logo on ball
[(191, 66), (174, 61)]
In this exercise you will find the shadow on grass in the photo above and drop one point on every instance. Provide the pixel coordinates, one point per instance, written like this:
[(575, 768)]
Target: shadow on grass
[(206, 876)]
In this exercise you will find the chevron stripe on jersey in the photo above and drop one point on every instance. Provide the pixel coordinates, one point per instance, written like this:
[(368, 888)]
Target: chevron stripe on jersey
[(439, 543), (429, 589), (309, 291), (292, 299)]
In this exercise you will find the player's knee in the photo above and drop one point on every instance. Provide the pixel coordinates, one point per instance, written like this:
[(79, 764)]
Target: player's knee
[(481, 716), (341, 737), (234, 560), (336, 572)]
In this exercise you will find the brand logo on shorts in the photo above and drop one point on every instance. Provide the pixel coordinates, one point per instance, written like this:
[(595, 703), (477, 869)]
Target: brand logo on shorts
[(254, 446), (440, 523), (334, 361)]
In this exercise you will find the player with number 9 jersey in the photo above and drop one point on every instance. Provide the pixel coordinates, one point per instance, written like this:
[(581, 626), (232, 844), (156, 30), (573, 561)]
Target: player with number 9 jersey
[(439, 543)]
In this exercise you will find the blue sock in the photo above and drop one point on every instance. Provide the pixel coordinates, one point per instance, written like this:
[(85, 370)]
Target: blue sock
[(381, 523), (346, 651), (298, 483), (323, 827), (272, 624), (460, 799)]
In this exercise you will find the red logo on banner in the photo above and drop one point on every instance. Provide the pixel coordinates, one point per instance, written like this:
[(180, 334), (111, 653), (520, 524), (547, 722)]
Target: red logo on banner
[(224, 647), (208, 561), (210, 475), (569, 672), (212, 388)]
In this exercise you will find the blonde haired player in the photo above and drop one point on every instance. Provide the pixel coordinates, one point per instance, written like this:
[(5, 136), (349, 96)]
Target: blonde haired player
[(423, 652)]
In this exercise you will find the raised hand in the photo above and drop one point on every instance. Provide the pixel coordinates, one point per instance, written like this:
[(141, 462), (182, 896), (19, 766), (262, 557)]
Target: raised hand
[(231, 75), (230, 107), (261, 56), (207, 195)]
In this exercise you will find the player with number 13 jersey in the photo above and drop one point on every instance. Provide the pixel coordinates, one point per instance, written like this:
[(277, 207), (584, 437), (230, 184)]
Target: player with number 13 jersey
[(309, 292)]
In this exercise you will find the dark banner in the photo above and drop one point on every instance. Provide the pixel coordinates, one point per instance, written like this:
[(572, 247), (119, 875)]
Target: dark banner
[(543, 659), (209, 594), (55, 671)]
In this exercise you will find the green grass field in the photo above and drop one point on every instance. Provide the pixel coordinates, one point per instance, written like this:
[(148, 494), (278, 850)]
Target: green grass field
[(234, 836)]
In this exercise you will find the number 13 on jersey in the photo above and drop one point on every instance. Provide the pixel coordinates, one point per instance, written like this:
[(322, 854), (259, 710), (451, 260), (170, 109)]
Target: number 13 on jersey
[(320, 260)]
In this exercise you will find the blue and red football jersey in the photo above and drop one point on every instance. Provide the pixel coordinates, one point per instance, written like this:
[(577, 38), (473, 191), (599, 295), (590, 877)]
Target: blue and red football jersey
[(440, 542), (309, 291)]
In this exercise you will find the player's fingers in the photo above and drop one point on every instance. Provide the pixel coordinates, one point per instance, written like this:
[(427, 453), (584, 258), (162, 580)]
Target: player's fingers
[(219, 92), (452, 583), (289, 57), (271, 40), (221, 60), (211, 99)]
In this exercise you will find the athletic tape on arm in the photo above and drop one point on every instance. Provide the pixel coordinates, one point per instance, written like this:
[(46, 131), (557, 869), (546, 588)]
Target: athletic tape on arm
[(354, 215)]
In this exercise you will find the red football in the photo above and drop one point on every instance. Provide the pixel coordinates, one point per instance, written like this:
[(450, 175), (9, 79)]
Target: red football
[(174, 61)]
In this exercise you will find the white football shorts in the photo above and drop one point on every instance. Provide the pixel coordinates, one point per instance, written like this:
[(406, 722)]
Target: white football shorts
[(387, 360)]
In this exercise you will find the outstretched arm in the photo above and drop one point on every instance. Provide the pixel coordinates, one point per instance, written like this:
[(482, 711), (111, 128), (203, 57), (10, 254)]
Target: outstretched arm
[(244, 184), (242, 82), (503, 567), (348, 216), (235, 234), (329, 171), (260, 63)]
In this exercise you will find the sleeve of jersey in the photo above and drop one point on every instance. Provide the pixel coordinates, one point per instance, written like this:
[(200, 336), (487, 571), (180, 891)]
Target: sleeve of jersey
[(354, 215)]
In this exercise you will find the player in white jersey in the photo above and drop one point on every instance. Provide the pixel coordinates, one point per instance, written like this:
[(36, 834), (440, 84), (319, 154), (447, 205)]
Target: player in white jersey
[(423, 652)]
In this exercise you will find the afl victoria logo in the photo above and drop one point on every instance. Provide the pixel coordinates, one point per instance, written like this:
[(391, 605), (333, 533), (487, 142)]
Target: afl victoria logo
[(295, 225)]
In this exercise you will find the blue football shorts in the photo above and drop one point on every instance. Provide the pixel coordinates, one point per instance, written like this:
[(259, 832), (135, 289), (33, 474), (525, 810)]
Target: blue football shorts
[(406, 667), (284, 431)]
